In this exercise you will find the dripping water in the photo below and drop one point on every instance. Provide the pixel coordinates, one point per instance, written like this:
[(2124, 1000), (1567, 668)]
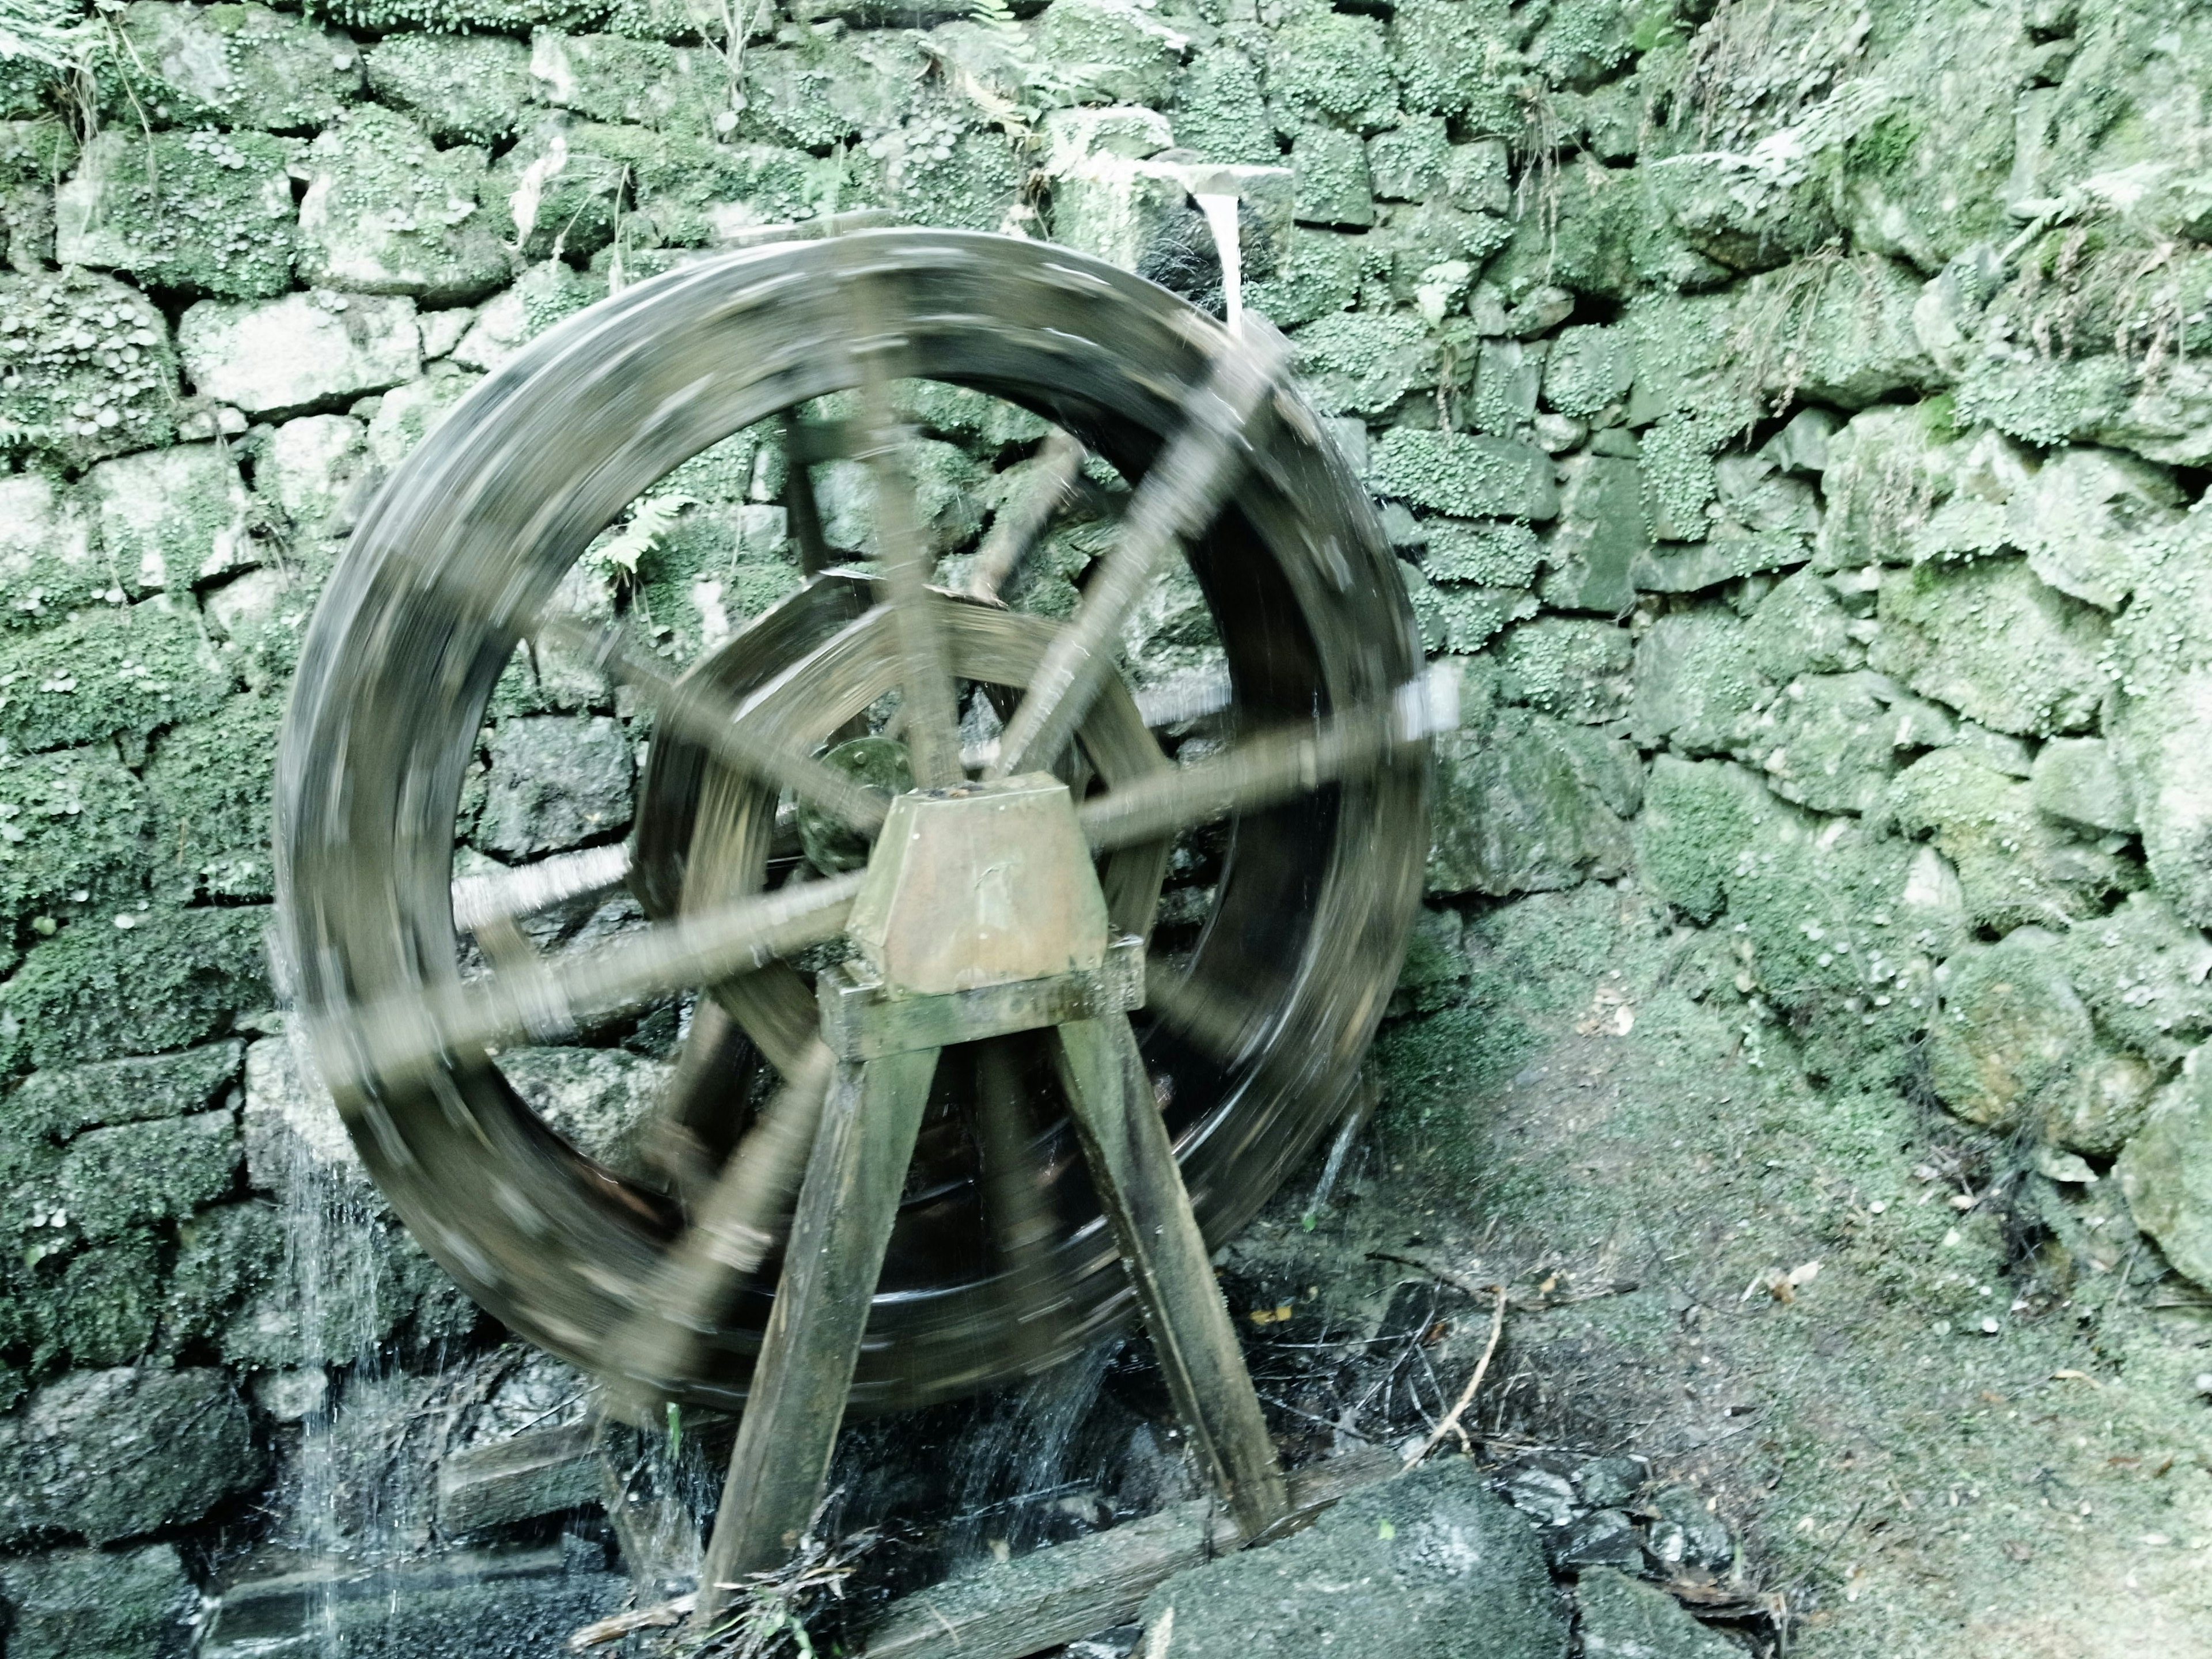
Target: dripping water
[(1221, 218)]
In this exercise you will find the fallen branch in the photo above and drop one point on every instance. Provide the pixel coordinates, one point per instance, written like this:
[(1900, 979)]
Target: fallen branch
[(1538, 1303), (624, 1624), (1451, 1425)]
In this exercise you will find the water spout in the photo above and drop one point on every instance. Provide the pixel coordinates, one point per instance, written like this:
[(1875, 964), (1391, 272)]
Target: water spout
[(1222, 219)]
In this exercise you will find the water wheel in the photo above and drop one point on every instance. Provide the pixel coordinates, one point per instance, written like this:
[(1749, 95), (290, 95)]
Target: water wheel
[(1287, 768)]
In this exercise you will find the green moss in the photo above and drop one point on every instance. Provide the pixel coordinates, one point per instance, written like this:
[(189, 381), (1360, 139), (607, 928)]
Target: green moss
[(55, 1105), (1491, 554), (1679, 479), (1129, 54), (1992, 641), (461, 17), (104, 673), (1573, 667), (1334, 65), (2043, 400), (175, 977), (86, 368), (969, 184), (210, 784), (1444, 52), (72, 834), (1220, 112), (227, 65), (225, 1255), (466, 89), (1885, 148), (101, 1307), (113, 1181), (388, 212), (1322, 276), (1331, 185), (1361, 364), (1466, 476)]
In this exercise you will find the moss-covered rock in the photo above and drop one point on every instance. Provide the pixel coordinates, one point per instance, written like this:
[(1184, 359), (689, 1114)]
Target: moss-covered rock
[(1831, 741), (76, 1459), (234, 65), (1466, 475), (463, 88), (134, 1175), (199, 212), (1530, 804), (2166, 1173), (174, 977), (302, 352), (56, 1104), (210, 784), (1219, 112), (226, 1256), (825, 88), (470, 16), (604, 77), (555, 782), (107, 673), (1600, 541), (1358, 363), (103, 1305), (1322, 276), (48, 563), (2143, 972), (1574, 667), (1695, 685), (387, 212), (1127, 54), (1450, 58), (2017, 867), (1992, 641), (72, 834), (2013, 1037), (73, 1604), (172, 519), (86, 368), (2087, 518), (1332, 185)]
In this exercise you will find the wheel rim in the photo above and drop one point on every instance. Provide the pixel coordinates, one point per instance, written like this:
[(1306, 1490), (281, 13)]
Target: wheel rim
[(471, 539)]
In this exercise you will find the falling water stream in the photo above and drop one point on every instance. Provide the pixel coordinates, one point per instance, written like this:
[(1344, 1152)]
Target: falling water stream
[(1222, 218)]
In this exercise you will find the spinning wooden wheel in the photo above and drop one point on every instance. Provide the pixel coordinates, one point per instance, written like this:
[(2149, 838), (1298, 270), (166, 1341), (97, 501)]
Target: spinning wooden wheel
[(900, 846)]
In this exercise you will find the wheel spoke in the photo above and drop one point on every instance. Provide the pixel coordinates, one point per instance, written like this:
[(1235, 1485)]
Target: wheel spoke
[(1021, 521), (402, 1035), (1180, 496), (1271, 767), (1020, 1222), (931, 712), (802, 512), (699, 710), (734, 1228), (494, 896)]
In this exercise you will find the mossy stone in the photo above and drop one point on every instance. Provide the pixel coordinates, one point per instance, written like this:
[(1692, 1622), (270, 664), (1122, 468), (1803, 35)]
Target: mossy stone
[(1410, 163), (1446, 53), (2011, 1035), (234, 65), (73, 835), (1576, 668), (1333, 68), (1330, 181), (2167, 1174), (1322, 276), (210, 784), (1491, 554), (104, 1305), (106, 672), (175, 977), (388, 212), (1466, 475), (225, 1256), (604, 77), (87, 368), (1529, 804), (822, 90), (1129, 54), (77, 1604), (172, 519), (74, 1459), (2146, 975), (2017, 867), (1694, 689), (197, 212), (134, 1175), (463, 88), (56, 1104), (1363, 364), (1991, 641), (1220, 112)]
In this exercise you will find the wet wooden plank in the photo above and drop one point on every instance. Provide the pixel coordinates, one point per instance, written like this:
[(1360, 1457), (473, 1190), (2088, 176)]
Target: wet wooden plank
[(1052, 1596)]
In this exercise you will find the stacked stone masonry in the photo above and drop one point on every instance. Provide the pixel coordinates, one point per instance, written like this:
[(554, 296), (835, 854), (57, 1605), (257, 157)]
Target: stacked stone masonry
[(1802, 472)]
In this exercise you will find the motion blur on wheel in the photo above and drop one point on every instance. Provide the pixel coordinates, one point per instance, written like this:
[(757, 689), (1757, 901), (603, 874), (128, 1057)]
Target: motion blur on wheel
[(1256, 813)]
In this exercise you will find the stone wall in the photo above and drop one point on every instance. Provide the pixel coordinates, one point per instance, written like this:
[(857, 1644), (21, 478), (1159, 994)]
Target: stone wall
[(1789, 414)]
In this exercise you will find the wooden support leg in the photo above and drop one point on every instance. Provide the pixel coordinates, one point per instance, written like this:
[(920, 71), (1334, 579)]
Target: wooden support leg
[(1142, 1189), (797, 1401)]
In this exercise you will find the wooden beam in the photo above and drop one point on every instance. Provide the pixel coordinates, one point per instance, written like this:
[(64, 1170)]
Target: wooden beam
[(1052, 1596), (1110, 1101), (847, 1206)]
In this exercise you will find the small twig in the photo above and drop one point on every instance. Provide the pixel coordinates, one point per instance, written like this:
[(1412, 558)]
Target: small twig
[(1537, 1303), (624, 1624), (1451, 1425)]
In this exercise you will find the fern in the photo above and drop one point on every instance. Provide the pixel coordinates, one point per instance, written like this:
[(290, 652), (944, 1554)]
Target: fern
[(651, 519)]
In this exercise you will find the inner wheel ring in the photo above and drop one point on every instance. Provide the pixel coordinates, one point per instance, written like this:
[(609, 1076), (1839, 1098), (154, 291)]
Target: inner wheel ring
[(474, 534)]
